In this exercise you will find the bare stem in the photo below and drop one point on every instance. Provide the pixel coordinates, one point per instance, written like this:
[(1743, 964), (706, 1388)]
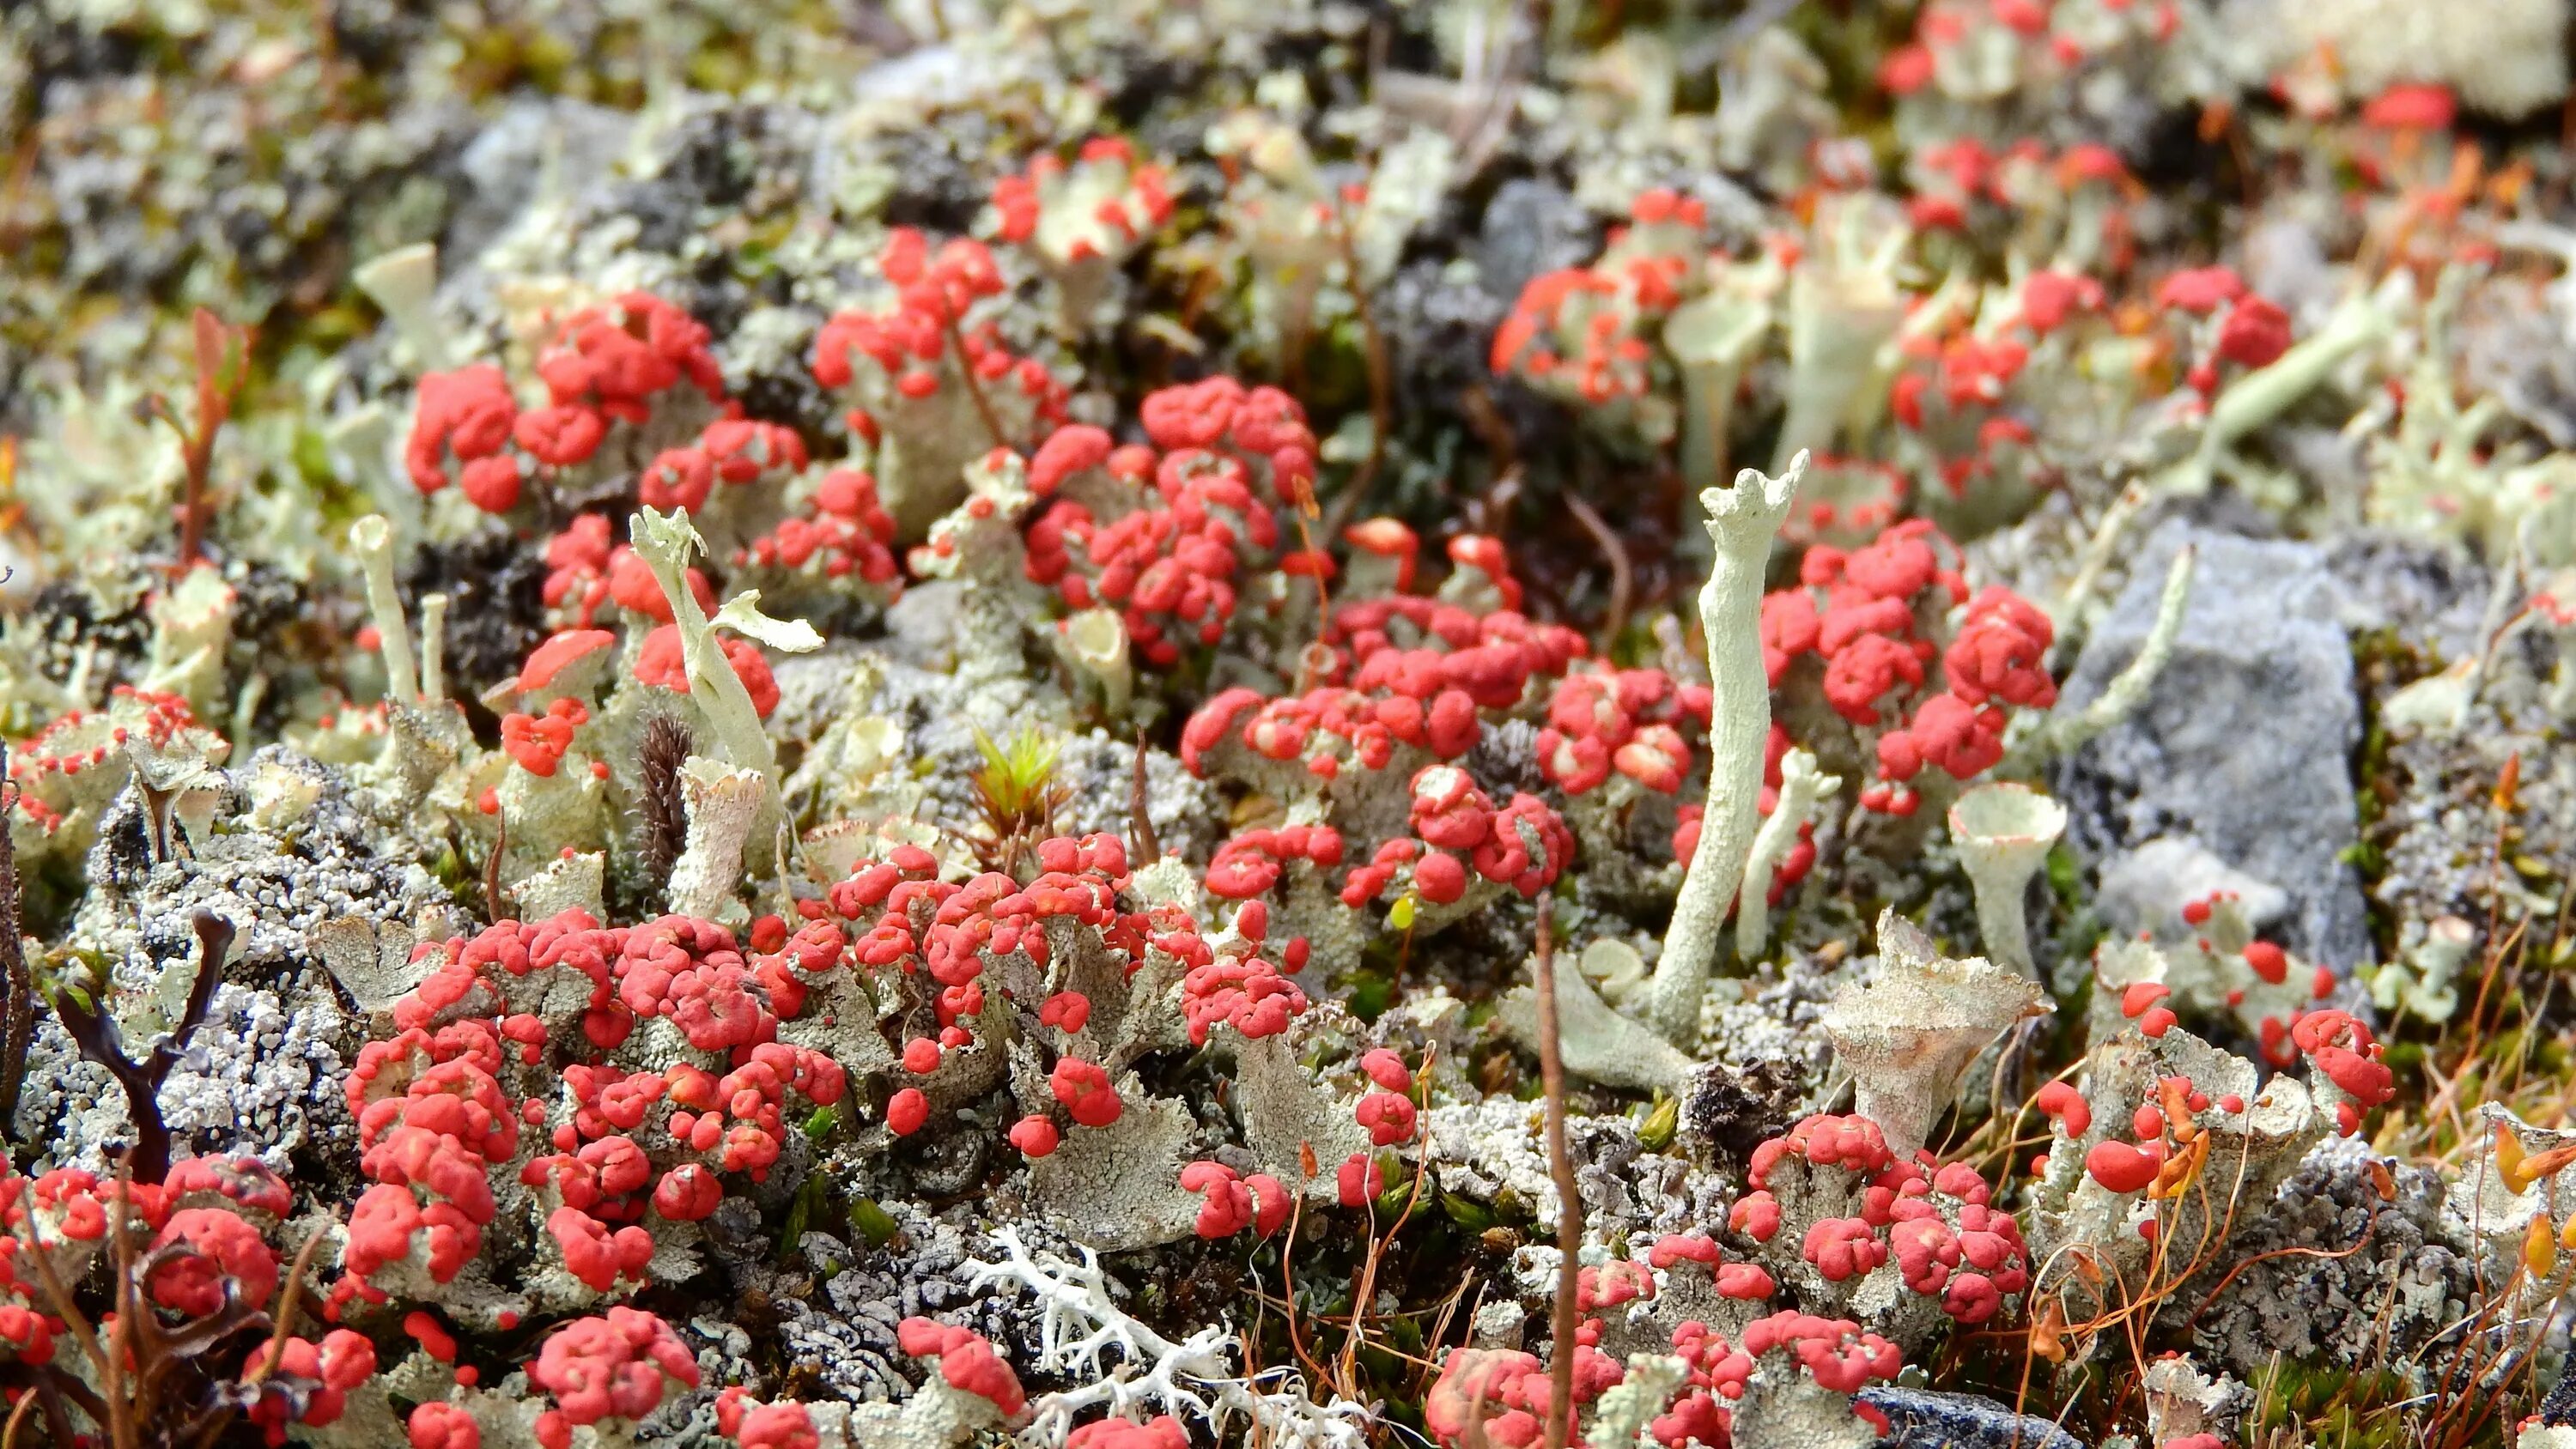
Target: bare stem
[(1569, 1204), (1140, 826), (17, 983), (1622, 577), (975, 387)]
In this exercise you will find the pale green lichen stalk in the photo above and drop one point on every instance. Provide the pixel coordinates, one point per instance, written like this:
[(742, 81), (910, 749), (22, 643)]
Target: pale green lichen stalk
[(433, 646), (403, 282), (1802, 788), (1742, 521), (2064, 733), (373, 538), (665, 540), (1908, 1034), (2264, 394)]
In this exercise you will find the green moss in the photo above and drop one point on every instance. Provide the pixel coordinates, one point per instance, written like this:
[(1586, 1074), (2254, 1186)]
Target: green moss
[(2331, 1408), (1370, 994), (871, 1222)]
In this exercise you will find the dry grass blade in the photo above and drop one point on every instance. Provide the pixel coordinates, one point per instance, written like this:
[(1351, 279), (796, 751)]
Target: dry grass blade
[(1569, 1202)]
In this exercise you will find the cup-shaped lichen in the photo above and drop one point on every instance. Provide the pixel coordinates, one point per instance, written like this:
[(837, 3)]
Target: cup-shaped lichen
[(1908, 1034), (2003, 833), (1093, 643), (403, 282), (1712, 337)]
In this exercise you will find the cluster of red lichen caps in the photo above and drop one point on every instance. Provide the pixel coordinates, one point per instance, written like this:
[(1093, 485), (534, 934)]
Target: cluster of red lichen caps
[(1601, 719), (2225, 323), (1402, 671), (843, 532), (1969, 28), (1458, 829), (908, 921), (927, 332), (587, 570), (1161, 530), (1578, 327), (1126, 199), (1955, 391), (1864, 613), (205, 1226), (608, 364), (965, 1359), (83, 739), (437, 1112), (1390, 1113), (614, 1368), (1502, 1395), (1970, 1257), (1833, 1351), (1960, 184), (1407, 677)]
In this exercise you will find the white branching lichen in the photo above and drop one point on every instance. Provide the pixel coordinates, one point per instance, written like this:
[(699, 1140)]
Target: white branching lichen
[(1128, 1369)]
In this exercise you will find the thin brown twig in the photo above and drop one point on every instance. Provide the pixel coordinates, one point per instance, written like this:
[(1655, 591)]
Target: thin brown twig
[(1140, 825), (17, 1419), (1622, 576), (492, 872), (17, 983), (2367, 1230), (220, 350), (286, 1299), (975, 387), (1288, 1287), (1381, 381), (1569, 1203), (1440, 1327), (122, 1403), (1378, 1243)]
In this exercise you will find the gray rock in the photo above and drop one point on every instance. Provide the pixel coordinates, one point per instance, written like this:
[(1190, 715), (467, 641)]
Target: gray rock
[(2431, 594), (2558, 1407), (2243, 747), (1926, 1419), (2146, 887), (531, 140), (1531, 227)]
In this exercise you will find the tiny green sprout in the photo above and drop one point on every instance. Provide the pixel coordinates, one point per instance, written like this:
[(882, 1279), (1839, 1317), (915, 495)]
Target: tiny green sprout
[(820, 1125), (1399, 1187), (1016, 771), (1016, 795), (1655, 1133), (800, 1216), (871, 1222), (2065, 873), (1466, 1212)]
